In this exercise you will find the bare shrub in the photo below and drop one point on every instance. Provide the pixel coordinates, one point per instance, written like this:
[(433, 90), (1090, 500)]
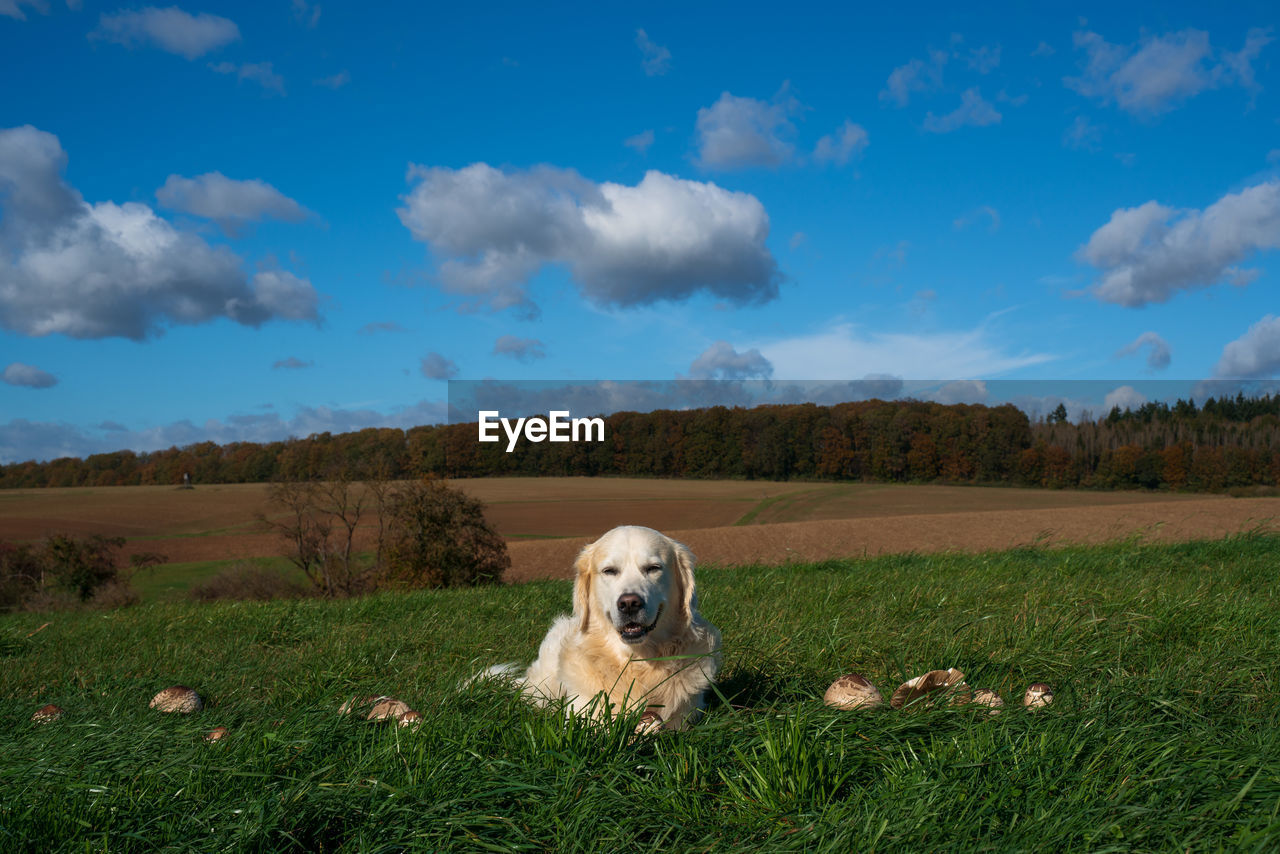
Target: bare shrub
[(114, 594), (319, 522), (245, 581), (438, 537)]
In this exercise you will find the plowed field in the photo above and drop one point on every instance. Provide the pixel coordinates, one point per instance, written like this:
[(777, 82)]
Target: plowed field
[(725, 522)]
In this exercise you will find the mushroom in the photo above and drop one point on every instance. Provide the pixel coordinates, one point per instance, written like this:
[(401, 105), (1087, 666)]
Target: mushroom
[(950, 682), (985, 697), (852, 691), (46, 714), (388, 707), (354, 703), (216, 734), (1038, 696), (411, 718), (179, 698)]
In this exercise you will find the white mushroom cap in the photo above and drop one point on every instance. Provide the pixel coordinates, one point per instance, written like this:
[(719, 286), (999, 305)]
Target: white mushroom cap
[(411, 718), (179, 698), (216, 734), (985, 697), (46, 714), (388, 707), (1038, 696), (852, 691), (949, 682)]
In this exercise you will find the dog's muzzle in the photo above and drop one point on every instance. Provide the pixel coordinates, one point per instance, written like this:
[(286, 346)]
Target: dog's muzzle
[(636, 632)]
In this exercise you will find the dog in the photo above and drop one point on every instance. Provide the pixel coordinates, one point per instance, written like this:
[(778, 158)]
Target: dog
[(635, 636)]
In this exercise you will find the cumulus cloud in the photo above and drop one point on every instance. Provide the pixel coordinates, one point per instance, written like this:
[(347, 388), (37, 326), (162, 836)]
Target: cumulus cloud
[(843, 351), (974, 111), (662, 239), (960, 391), (106, 270), (261, 73), (1124, 397), (640, 142), (437, 367), (983, 59), (520, 349), (848, 141), (740, 133), (721, 361), (1043, 49), (334, 81), (655, 58), (13, 8), (307, 14), (1254, 355), (16, 373), (1162, 71), (293, 363), (1158, 356), (228, 202), (171, 29), (916, 76), (1149, 253), (22, 439)]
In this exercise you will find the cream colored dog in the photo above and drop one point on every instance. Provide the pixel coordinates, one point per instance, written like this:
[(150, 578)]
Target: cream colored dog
[(635, 634)]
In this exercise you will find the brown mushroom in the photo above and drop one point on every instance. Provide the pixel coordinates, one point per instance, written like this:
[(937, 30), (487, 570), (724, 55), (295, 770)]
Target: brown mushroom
[(1038, 696), (216, 734), (986, 697), (946, 684), (411, 718), (179, 699), (852, 691), (354, 703), (388, 708), (46, 714)]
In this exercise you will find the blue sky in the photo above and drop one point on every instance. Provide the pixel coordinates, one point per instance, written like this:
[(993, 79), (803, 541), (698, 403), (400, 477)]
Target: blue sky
[(249, 221)]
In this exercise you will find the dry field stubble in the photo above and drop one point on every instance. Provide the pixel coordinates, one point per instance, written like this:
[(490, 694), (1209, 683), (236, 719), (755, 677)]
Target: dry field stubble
[(724, 522)]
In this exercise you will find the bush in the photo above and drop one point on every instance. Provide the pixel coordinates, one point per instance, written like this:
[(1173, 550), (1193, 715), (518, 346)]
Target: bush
[(66, 572), (438, 537), (244, 581)]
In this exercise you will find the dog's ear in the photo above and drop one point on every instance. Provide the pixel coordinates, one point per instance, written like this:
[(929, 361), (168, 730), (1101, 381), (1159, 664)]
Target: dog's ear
[(582, 585), (686, 595)]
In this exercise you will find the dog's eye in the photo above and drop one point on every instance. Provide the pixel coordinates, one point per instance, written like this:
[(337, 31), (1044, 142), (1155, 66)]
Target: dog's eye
[(610, 570), (657, 567)]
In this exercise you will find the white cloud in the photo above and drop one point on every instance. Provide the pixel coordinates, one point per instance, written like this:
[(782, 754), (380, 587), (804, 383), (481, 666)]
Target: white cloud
[(1160, 72), (1158, 357), (307, 14), (21, 439), (261, 73), (520, 349), (334, 81), (16, 373), (844, 351), (1149, 253), (1082, 134), (640, 142), (13, 8), (721, 361), (1124, 397), (983, 59), (961, 391), (1043, 49), (848, 141), (739, 133), (657, 59), (293, 363), (228, 202), (663, 239), (974, 110), (916, 76), (1254, 355), (984, 212), (106, 270), (172, 30), (437, 367)]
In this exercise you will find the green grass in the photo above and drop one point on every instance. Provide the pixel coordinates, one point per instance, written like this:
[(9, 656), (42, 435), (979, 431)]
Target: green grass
[(171, 581), (1163, 736)]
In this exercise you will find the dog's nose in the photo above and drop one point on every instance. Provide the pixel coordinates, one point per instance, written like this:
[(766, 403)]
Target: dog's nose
[(630, 604)]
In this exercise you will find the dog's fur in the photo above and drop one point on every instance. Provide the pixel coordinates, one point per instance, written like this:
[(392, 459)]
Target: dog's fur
[(659, 653)]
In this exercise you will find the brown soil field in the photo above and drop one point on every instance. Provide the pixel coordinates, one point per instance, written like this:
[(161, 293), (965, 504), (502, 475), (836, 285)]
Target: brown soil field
[(546, 520)]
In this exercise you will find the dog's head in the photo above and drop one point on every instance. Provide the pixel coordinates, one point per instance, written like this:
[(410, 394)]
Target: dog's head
[(636, 582)]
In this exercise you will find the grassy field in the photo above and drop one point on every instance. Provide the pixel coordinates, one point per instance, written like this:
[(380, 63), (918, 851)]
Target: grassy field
[(1165, 734)]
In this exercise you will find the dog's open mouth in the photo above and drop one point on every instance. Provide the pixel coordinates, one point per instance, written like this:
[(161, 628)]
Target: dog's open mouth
[(635, 632)]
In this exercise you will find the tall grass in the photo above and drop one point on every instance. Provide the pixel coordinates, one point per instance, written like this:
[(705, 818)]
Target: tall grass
[(1163, 734)]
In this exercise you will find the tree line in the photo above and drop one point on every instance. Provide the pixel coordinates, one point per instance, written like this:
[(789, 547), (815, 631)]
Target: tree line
[(1222, 444)]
